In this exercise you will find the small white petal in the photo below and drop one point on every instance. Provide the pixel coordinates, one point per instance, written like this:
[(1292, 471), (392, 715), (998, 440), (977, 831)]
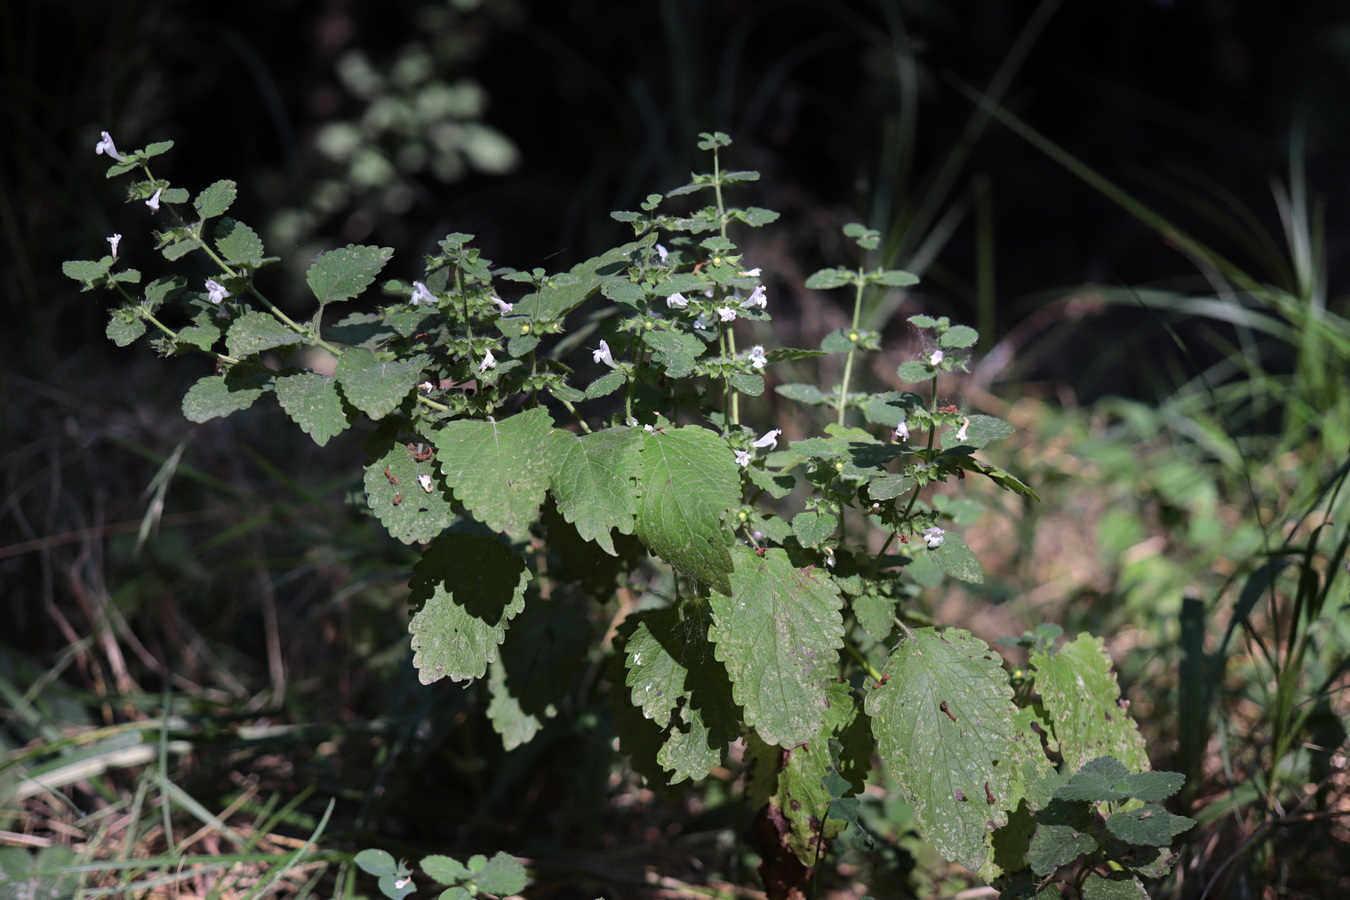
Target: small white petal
[(113, 242), (770, 439), (756, 299), (752, 273), (426, 386), (630, 422), (603, 355), (726, 313), (701, 321), (936, 357), (757, 357), (421, 295), (933, 537), (502, 306), (742, 457), (107, 146), (488, 361), (902, 430), (961, 432), (425, 482), (215, 291), (662, 253), (676, 301), (153, 202)]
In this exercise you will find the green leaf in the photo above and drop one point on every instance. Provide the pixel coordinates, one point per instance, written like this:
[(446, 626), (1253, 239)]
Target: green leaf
[(1053, 846), (675, 352), (1100, 780), (179, 249), (446, 869), (794, 780), (688, 481), (747, 383), (376, 386), (1152, 786), (981, 430), (1082, 700), (466, 589), (813, 527), (888, 408), (912, 371), (606, 384), (676, 682), (1001, 478), (621, 291), (592, 477), (124, 326), (537, 667), (500, 471), (1116, 886), (950, 763), (216, 199), (376, 862), (502, 876), (876, 614), (838, 341), (958, 337), (1150, 826), (86, 270), (312, 401), (345, 273), (778, 485), (826, 279), (956, 559), (156, 149), (216, 396), (394, 491), (237, 242), (888, 487), (778, 630), (899, 278), (756, 216), (566, 292), (802, 393), (254, 332)]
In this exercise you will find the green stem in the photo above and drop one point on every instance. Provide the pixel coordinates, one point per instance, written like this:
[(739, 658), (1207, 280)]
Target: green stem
[(853, 349), (871, 670)]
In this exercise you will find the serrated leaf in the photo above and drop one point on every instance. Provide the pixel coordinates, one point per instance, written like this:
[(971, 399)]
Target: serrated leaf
[(216, 199), (212, 397), (1097, 781), (1117, 886), (757, 216), (778, 631), (536, 669), (566, 292), (777, 485), (980, 430), (1053, 846), (1082, 700), (605, 384), (959, 337), (124, 326), (466, 589), (1152, 786), (688, 480), (747, 383), (312, 401), (675, 352), (837, 341), (394, 491), (812, 527), (86, 270), (500, 471), (345, 273), (888, 408), (502, 876), (254, 332), (912, 371), (955, 558), (237, 242), (876, 615), (940, 758), (678, 684), (802, 393), (1149, 826), (179, 249), (897, 278), (376, 386), (888, 487), (592, 480), (445, 869), (162, 289), (623, 291), (1003, 479), (155, 149)]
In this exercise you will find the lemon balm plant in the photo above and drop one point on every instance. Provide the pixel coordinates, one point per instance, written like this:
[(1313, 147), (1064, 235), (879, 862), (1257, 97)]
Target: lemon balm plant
[(586, 439)]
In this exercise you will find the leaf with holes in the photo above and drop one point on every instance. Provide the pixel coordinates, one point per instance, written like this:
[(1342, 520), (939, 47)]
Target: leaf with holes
[(1081, 696), (946, 726), (778, 630), (688, 481), (466, 589), (500, 471), (395, 491)]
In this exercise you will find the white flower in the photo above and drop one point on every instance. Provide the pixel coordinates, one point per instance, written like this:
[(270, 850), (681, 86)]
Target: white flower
[(933, 537), (936, 357), (757, 357), (153, 202), (426, 386), (421, 295), (662, 253), (902, 430), (603, 355), (829, 557), (770, 439), (961, 432), (425, 482), (756, 298), (726, 313), (701, 321), (488, 361), (215, 291), (742, 457), (676, 301), (502, 306), (630, 422), (751, 273), (107, 146), (113, 242)]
